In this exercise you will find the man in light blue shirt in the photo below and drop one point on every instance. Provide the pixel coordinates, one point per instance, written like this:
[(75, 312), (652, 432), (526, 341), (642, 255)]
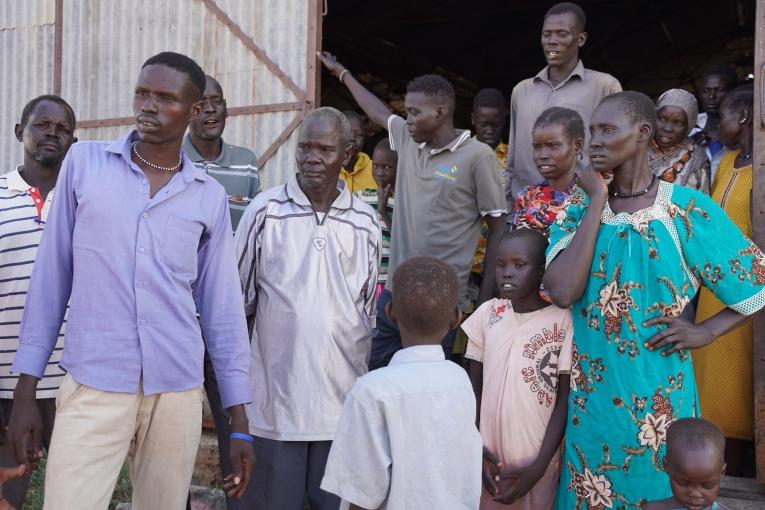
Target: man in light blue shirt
[(138, 242)]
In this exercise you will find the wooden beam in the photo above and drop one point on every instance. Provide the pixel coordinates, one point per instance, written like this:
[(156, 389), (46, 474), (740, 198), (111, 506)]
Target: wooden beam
[(250, 44), (758, 223), (232, 112), (313, 68), (58, 50), (263, 159)]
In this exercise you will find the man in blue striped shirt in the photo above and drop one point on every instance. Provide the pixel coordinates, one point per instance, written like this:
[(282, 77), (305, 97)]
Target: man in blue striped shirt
[(46, 130), (138, 242)]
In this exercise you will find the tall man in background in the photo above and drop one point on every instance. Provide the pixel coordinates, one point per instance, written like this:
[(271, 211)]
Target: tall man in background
[(564, 82)]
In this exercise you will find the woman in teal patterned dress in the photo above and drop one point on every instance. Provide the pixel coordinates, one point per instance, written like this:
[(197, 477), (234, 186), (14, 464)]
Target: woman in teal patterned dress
[(627, 258)]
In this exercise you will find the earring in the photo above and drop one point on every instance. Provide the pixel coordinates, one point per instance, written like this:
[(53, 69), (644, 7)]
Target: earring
[(580, 156)]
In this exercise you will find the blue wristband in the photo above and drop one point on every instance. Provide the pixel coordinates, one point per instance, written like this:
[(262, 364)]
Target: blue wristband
[(243, 437)]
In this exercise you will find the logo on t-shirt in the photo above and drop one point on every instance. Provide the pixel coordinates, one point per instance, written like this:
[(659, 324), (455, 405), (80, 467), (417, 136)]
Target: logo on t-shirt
[(446, 174), (495, 314), (319, 243), (543, 350)]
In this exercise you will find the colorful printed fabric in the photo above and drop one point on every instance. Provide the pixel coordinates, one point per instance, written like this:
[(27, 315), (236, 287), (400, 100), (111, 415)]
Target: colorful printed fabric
[(480, 251), (683, 164), (624, 397), (537, 206)]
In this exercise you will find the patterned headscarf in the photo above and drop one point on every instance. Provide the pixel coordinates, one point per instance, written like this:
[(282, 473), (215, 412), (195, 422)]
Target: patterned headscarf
[(681, 99)]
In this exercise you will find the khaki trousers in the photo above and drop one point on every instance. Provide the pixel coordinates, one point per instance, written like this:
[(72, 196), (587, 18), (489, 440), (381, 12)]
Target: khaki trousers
[(96, 431)]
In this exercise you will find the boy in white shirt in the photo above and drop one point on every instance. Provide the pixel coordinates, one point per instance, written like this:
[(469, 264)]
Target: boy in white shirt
[(407, 436)]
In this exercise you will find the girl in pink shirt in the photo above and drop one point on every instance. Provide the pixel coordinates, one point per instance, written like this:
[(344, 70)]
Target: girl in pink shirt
[(520, 349)]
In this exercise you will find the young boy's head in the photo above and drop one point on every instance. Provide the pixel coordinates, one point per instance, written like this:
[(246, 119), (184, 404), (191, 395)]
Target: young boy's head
[(358, 137), (621, 127), (425, 303), (557, 140), (695, 462), (736, 116), (520, 264), (384, 164), (488, 116), (429, 105)]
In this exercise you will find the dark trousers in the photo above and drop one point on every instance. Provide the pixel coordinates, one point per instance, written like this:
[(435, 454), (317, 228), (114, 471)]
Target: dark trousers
[(16, 490), (387, 339), (222, 427), (286, 473)]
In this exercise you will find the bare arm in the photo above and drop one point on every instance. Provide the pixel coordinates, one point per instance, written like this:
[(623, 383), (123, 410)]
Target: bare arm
[(566, 276), (375, 109), (497, 226), (355, 507), (681, 334), (525, 478), (476, 379)]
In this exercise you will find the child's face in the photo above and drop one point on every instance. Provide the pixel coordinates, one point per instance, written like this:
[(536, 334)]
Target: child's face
[(488, 123), (671, 127), (357, 135), (729, 130), (384, 167), (518, 271), (554, 151), (695, 477)]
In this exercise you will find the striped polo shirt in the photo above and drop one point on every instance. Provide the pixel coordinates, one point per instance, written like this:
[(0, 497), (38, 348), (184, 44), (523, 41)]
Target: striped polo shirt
[(236, 169), (22, 216)]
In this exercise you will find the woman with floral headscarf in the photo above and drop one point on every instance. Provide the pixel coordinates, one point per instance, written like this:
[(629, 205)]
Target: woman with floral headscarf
[(673, 156)]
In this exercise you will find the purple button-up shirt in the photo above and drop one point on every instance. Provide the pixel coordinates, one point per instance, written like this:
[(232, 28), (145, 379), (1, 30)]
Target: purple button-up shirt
[(136, 271)]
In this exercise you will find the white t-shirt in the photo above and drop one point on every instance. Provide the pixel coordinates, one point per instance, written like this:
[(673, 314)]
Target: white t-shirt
[(407, 437)]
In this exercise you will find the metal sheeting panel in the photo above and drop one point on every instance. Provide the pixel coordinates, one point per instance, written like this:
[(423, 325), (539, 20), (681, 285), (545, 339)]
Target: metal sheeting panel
[(26, 65), (104, 43)]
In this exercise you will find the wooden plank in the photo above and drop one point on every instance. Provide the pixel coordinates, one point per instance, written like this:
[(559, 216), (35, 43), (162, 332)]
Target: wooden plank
[(232, 112), (280, 139), (313, 67), (250, 44), (58, 50), (758, 221)]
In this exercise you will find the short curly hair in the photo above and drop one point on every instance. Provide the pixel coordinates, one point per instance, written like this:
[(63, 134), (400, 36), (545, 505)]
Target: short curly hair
[(425, 296), (490, 98), (637, 106), (434, 85), (725, 71), (183, 64), (29, 108), (570, 120), (572, 8), (695, 434), (741, 98)]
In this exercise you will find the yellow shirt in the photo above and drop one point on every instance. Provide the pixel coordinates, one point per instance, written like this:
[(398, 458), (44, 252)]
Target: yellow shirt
[(361, 178)]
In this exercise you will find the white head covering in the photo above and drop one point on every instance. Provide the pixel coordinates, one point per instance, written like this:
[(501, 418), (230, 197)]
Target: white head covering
[(681, 99)]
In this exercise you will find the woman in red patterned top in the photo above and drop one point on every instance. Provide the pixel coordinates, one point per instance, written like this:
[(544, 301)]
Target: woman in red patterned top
[(557, 138)]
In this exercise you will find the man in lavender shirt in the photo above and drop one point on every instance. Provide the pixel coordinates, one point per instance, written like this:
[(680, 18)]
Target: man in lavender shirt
[(138, 242)]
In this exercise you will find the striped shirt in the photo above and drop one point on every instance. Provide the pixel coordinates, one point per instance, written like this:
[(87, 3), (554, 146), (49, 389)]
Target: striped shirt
[(370, 197), (235, 169), (309, 280), (22, 216)]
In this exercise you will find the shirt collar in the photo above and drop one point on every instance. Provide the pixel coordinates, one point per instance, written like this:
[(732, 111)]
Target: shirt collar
[(295, 193), (122, 145), (196, 157), (543, 75), (464, 134), (418, 353), (15, 181)]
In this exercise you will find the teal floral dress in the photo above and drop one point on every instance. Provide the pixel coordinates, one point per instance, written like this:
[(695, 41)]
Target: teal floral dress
[(624, 397)]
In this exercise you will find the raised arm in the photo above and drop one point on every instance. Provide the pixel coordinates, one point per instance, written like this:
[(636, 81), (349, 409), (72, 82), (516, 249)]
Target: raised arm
[(566, 276), (375, 109)]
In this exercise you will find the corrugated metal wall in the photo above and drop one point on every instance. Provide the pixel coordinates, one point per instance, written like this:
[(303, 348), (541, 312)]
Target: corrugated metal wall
[(26, 66), (105, 42)]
